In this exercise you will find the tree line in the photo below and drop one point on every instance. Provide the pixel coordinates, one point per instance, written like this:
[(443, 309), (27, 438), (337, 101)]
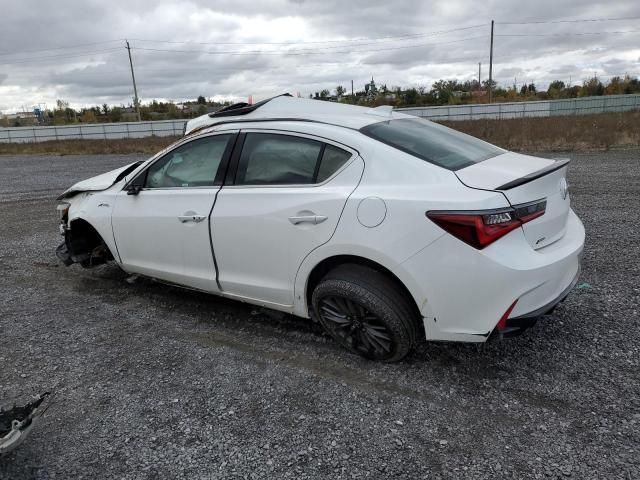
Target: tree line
[(455, 92), (442, 92), (63, 114)]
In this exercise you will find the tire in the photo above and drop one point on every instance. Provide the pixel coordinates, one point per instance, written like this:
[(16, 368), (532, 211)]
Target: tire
[(366, 313)]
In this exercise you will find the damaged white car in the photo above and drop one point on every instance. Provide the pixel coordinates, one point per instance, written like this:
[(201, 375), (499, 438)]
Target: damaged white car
[(385, 228)]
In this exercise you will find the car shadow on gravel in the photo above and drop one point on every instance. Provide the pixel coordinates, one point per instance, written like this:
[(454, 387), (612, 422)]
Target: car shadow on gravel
[(217, 321)]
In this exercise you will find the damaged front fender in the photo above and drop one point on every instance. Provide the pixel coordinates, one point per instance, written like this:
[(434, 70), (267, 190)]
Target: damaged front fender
[(84, 245)]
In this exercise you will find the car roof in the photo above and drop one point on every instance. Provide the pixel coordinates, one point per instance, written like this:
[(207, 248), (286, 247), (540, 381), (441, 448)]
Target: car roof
[(286, 107)]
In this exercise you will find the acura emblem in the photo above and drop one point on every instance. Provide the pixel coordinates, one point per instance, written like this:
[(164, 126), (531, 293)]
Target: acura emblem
[(564, 188)]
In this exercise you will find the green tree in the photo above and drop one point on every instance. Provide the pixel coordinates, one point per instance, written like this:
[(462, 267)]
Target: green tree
[(556, 89), (557, 85), (172, 111), (591, 87), (88, 116), (340, 91), (202, 100), (115, 115), (62, 114), (411, 96), (616, 86)]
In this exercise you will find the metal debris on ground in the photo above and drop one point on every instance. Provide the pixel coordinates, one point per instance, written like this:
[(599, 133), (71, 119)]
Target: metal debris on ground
[(16, 422)]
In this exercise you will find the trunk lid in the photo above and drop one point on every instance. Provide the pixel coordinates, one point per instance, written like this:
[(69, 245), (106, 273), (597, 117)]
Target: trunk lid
[(524, 179)]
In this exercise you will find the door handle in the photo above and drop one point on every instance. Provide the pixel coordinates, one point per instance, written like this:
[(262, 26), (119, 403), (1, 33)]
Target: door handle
[(314, 219), (191, 218)]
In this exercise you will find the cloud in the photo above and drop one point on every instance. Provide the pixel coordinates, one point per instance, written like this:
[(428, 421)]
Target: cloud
[(236, 48)]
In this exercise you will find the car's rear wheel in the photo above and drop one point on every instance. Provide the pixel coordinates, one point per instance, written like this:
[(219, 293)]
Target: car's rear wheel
[(366, 312)]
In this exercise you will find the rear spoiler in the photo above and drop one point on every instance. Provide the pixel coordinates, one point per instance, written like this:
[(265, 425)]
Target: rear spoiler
[(535, 175)]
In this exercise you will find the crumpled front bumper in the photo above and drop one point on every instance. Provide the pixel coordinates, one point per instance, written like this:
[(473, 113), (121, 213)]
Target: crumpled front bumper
[(62, 252)]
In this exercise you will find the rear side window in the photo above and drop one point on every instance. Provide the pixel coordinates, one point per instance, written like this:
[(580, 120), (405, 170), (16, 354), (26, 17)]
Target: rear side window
[(275, 159), (434, 143), (332, 159)]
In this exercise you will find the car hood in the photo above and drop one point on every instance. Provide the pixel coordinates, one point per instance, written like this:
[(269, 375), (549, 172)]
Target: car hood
[(100, 182)]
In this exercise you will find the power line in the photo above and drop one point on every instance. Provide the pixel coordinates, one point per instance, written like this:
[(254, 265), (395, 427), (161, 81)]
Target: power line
[(300, 51), (63, 56), (61, 48), (564, 34), (578, 20), (346, 40), (287, 51)]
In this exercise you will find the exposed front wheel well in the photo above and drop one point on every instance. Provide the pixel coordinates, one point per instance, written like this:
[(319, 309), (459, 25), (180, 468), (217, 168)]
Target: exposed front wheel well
[(328, 264), (85, 245)]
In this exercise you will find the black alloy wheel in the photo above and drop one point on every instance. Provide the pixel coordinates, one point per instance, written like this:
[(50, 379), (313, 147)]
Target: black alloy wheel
[(356, 327), (366, 312)]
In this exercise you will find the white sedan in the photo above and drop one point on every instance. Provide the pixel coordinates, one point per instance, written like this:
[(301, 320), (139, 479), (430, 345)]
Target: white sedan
[(385, 228)]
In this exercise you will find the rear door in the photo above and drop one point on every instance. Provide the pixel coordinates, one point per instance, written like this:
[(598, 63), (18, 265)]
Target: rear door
[(285, 199), (525, 179), (162, 227)]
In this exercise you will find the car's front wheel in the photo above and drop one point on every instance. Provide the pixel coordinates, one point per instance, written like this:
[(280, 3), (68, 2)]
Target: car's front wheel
[(365, 312)]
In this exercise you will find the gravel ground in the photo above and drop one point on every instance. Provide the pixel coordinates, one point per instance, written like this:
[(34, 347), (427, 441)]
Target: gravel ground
[(156, 382)]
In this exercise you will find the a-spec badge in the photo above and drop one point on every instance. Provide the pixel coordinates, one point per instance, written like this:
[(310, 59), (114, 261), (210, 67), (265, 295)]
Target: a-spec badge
[(564, 188)]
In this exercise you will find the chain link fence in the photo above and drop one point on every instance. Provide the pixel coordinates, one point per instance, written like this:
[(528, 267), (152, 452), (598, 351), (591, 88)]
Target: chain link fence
[(98, 131), (543, 108), (588, 106)]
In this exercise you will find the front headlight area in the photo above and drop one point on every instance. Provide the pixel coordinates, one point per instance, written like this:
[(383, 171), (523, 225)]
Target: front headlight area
[(63, 215)]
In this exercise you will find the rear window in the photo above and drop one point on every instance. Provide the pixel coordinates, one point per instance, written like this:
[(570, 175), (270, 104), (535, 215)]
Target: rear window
[(434, 143)]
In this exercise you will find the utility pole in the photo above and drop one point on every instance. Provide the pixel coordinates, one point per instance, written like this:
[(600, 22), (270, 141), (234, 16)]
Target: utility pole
[(136, 102), (491, 66), (479, 70), (352, 88)]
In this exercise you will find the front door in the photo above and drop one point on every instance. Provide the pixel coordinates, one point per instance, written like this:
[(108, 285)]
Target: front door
[(286, 199), (161, 221)]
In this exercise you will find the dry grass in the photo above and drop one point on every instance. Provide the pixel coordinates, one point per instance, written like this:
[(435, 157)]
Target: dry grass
[(149, 145), (566, 133)]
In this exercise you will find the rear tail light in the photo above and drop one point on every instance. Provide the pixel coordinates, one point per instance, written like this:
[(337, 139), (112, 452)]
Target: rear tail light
[(481, 228)]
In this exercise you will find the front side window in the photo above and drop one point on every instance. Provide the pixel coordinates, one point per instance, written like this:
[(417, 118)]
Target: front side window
[(193, 164), (276, 159), (434, 143)]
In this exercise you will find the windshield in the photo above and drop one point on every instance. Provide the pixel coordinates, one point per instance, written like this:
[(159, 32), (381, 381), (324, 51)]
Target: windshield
[(434, 143)]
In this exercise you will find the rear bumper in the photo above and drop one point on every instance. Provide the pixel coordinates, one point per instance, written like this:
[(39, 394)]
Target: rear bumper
[(463, 292), (517, 325)]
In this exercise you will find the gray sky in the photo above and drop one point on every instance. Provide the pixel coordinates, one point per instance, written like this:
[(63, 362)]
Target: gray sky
[(231, 49)]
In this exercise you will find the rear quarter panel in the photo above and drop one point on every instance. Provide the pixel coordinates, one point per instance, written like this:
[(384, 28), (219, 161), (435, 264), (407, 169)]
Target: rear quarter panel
[(409, 187)]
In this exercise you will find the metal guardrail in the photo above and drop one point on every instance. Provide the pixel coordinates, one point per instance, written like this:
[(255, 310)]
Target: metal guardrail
[(543, 108), (498, 111), (92, 131)]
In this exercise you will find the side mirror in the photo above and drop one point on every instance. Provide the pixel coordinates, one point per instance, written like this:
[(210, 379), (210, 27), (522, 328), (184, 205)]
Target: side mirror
[(133, 189)]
